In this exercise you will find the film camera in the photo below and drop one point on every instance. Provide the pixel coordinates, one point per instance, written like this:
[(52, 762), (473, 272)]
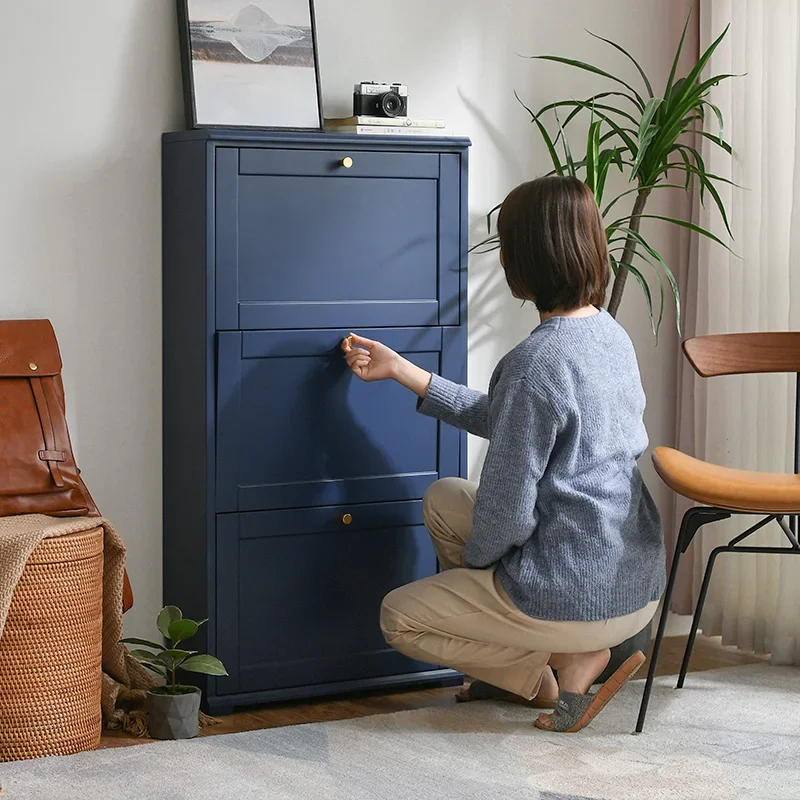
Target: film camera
[(372, 99)]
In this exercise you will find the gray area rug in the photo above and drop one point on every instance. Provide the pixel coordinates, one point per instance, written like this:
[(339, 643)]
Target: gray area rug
[(732, 733)]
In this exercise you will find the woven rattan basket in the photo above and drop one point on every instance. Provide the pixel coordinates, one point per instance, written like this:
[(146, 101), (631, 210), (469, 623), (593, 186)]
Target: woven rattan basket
[(51, 651)]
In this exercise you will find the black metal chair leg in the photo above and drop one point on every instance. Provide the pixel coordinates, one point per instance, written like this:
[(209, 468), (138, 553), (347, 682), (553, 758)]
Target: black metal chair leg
[(692, 521), (701, 600), (662, 624)]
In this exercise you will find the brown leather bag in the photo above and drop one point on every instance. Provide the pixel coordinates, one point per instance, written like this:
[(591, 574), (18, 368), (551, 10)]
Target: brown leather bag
[(38, 473)]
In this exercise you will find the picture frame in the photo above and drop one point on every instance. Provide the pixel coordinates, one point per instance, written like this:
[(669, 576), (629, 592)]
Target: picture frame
[(250, 64)]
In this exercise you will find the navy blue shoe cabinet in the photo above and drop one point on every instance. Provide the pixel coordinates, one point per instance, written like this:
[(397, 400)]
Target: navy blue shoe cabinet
[(292, 490)]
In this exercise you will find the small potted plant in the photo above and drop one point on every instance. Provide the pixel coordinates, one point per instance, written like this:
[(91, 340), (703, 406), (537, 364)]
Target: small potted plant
[(174, 708)]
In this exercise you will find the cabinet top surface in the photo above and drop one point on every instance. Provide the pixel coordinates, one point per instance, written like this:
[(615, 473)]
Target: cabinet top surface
[(316, 139)]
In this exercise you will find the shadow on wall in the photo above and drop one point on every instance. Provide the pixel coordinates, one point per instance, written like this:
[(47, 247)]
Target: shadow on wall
[(107, 267)]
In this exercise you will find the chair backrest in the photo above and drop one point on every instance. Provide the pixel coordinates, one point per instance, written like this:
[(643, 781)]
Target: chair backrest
[(743, 353)]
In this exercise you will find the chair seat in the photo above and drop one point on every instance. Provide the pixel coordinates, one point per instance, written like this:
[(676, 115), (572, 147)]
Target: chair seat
[(723, 487)]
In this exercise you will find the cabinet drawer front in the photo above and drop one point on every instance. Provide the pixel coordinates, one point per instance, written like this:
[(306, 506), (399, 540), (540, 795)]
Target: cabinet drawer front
[(298, 605), (363, 164), (296, 428), (300, 245)]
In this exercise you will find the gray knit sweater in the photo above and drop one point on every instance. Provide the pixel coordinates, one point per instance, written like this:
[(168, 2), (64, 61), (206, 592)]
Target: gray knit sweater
[(561, 507)]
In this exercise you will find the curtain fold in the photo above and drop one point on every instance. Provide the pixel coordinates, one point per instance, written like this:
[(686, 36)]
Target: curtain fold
[(747, 422)]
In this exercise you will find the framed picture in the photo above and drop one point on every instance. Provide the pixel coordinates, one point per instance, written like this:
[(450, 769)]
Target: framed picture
[(250, 64)]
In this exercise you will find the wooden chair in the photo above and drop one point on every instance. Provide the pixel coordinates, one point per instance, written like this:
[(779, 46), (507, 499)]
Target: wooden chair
[(723, 492)]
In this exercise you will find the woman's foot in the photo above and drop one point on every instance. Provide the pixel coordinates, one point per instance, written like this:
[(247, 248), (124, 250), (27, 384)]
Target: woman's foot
[(546, 697), (577, 672)]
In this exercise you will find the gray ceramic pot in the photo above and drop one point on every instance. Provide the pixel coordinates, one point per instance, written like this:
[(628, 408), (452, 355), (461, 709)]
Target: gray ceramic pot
[(173, 716)]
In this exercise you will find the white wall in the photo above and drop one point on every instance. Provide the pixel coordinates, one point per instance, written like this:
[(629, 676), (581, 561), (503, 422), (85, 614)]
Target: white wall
[(87, 87)]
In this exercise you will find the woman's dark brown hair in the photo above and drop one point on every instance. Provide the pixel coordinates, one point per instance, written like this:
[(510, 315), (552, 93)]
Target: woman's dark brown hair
[(553, 244)]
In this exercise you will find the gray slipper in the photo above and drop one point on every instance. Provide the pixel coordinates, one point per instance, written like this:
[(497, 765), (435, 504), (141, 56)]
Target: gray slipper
[(575, 711)]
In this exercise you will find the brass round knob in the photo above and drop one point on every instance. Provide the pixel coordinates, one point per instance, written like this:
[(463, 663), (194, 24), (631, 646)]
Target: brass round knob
[(347, 518), (33, 366), (347, 162)]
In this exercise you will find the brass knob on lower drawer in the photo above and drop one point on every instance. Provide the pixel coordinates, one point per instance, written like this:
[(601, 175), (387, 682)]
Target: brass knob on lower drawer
[(347, 518), (346, 162)]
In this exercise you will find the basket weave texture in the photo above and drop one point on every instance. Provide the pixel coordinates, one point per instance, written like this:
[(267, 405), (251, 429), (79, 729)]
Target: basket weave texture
[(51, 651)]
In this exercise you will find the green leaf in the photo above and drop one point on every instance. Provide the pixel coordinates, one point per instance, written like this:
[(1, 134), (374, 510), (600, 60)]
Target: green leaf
[(607, 158), (710, 175), (677, 58), (647, 116), (571, 62), (174, 658), (565, 144), (489, 244), (712, 190), (655, 325), (143, 642), (697, 69), (720, 119), (159, 670), (145, 655), (182, 629), (206, 665), (591, 102), (638, 189), (167, 616), (171, 655), (691, 226), (657, 261), (626, 53), (593, 165), (647, 131), (488, 223), (546, 136), (717, 140), (623, 133)]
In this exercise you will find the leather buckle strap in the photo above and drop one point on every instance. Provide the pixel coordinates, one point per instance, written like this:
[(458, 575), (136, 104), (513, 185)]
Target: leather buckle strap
[(48, 431), (52, 455)]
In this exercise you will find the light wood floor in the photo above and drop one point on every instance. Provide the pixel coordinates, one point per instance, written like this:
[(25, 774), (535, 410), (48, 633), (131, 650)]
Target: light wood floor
[(708, 654)]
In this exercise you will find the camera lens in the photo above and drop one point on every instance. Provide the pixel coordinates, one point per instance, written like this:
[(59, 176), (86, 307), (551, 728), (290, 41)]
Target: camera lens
[(391, 104)]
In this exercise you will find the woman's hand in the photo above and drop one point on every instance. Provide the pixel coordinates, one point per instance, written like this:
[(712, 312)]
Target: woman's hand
[(369, 360), (373, 361)]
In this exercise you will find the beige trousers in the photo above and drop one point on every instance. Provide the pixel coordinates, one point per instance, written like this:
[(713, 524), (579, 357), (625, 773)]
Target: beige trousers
[(462, 618)]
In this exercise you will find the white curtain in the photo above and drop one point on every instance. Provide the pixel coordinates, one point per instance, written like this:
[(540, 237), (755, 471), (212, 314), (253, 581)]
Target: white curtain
[(747, 422)]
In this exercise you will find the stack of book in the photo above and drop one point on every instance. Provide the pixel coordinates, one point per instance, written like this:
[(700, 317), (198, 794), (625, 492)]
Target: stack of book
[(388, 126)]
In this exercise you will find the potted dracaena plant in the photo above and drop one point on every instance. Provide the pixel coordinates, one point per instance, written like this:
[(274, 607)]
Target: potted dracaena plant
[(653, 140), (173, 708)]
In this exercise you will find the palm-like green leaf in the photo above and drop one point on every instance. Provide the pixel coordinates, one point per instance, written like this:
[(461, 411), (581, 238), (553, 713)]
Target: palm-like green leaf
[(645, 288), (677, 58), (717, 140), (649, 140), (630, 58), (545, 136), (635, 189), (570, 167), (690, 225), (634, 96)]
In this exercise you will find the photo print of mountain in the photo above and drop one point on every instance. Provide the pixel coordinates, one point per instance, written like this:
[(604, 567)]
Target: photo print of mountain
[(250, 64)]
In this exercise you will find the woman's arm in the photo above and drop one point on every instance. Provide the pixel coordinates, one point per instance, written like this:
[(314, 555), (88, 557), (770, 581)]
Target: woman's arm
[(460, 406), (450, 402), (523, 433)]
